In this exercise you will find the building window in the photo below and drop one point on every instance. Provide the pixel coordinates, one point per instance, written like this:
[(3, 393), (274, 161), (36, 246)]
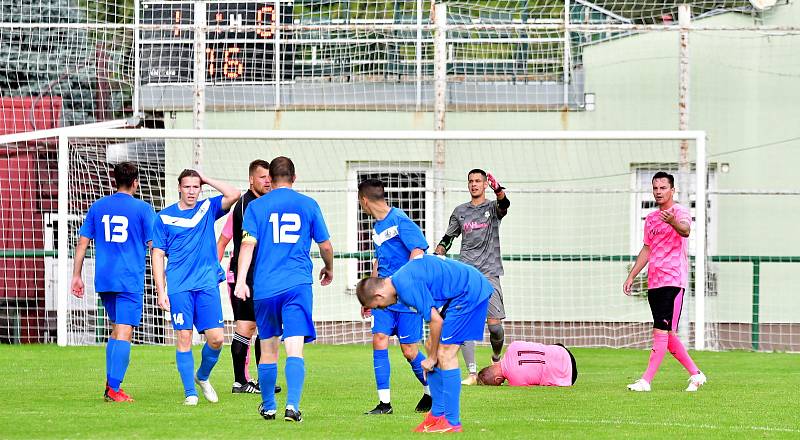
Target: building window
[(406, 189)]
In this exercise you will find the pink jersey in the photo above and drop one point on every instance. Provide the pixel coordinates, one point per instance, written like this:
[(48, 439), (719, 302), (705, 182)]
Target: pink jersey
[(529, 363), (669, 252), (227, 232)]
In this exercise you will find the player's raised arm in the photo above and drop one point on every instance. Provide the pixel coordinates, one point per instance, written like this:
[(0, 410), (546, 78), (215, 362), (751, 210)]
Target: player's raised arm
[(326, 252), (80, 254), (499, 190), (230, 194)]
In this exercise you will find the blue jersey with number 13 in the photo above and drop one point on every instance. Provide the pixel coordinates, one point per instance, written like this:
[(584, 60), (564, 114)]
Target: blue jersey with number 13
[(283, 222), (120, 226)]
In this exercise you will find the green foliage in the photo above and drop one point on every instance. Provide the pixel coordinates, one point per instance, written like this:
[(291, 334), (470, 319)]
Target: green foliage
[(748, 395)]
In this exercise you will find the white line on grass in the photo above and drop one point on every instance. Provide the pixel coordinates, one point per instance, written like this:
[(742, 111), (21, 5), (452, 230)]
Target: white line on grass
[(668, 425)]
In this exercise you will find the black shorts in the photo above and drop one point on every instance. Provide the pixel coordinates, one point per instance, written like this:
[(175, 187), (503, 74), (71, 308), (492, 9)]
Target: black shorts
[(574, 365), (242, 310), (666, 304)]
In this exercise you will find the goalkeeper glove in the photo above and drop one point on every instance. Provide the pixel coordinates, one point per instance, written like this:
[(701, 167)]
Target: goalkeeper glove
[(494, 184)]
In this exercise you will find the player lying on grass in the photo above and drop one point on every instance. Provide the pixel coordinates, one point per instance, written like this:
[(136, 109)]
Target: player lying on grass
[(453, 298), (529, 364)]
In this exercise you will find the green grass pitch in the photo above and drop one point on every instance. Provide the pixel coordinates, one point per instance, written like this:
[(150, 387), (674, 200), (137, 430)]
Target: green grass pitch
[(52, 392)]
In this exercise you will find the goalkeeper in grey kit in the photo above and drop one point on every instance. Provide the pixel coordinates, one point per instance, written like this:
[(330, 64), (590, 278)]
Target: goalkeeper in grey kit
[(478, 223)]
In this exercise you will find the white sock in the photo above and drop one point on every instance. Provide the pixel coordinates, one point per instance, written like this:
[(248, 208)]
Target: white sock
[(384, 396), (427, 390)]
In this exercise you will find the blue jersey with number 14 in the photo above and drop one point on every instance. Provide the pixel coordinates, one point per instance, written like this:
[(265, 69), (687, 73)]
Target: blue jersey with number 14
[(283, 222), (120, 226)]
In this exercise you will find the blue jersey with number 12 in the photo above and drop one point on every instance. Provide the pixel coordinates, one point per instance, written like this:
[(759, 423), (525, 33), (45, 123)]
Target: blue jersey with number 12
[(283, 222), (120, 226)]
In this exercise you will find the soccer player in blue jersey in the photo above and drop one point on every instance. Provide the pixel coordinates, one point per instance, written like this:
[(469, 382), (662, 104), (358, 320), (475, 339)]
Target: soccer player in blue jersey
[(397, 239), (453, 298), (121, 228), (281, 224), (184, 233)]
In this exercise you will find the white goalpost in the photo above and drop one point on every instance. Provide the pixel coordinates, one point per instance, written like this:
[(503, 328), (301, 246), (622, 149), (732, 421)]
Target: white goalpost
[(574, 226)]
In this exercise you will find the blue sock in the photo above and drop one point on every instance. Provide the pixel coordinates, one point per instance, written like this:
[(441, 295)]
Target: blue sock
[(416, 367), (437, 394), (210, 358), (185, 364), (267, 376), (295, 376), (120, 358), (451, 387), (112, 343), (383, 369)]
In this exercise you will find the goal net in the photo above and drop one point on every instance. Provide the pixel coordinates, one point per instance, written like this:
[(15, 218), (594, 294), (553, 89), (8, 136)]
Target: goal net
[(578, 200)]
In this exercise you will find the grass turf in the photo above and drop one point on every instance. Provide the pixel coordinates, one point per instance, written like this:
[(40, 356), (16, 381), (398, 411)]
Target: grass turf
[(52, 392)]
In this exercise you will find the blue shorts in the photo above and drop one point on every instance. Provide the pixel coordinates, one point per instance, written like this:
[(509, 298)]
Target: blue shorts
[(406, 326), (123, 307), (199, 308), (287, 314), (465, 326)]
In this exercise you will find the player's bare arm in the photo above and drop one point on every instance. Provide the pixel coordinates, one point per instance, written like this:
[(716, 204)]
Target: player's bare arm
[(432, 344), (157, 256), (230, 194), (682, 227), (80, 254), (326, 252), (641, 262), (242, 290)]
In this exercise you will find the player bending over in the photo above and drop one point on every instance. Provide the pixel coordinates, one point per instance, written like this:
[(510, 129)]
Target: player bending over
[(530, 364), (121, 227), (184, 233), (397, 239), (452, 297), (666, 255)]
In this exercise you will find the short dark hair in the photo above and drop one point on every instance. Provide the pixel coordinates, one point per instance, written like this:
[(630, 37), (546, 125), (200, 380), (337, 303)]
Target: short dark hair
[(281, 168), (663, 175), (125, 173), (372, 189), (258, 163), (486, 376), (477, 171), (365, 289), (187, 173)]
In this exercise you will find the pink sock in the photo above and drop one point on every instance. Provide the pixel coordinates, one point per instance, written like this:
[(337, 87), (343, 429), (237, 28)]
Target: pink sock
[(656, 356), (247, 366), (675, 346)]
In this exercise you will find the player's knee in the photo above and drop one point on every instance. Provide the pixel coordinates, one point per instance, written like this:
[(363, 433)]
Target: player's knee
[(380, 341), (496, 333), (215, 341), (123, 332), (409, 351)]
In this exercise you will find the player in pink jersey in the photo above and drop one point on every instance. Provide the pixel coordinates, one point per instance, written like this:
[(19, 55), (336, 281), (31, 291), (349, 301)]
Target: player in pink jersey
[(529, 364), (665, 252)]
